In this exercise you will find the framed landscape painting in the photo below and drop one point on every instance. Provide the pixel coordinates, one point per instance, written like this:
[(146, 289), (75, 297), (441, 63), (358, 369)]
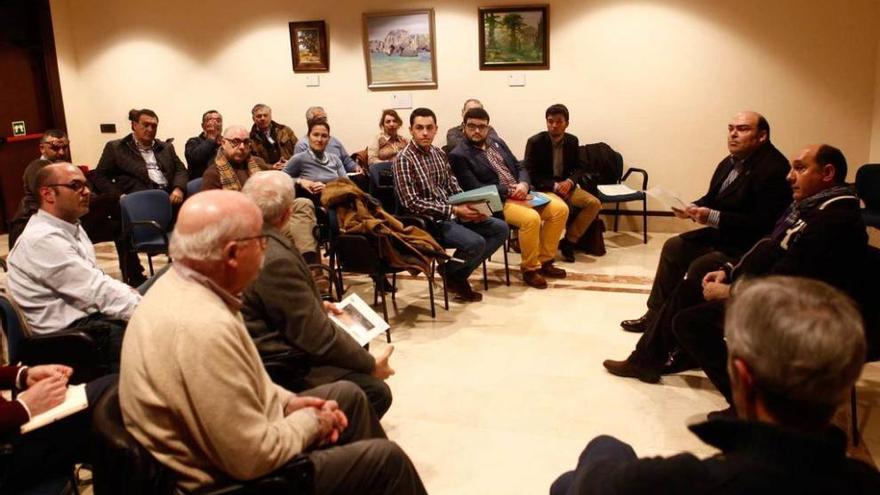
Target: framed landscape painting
[(515, 37), (399, 49), (308, 44)]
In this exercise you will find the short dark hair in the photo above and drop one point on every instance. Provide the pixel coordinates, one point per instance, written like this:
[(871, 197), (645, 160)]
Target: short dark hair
[(392, 112), (135, 114), (53, 134), (476, 113), (205, 115), (556, 109), (316, 122), (829, 155), (421, 112)]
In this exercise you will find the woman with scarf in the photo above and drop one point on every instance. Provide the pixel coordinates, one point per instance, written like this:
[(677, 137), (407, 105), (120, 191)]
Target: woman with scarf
[(388, 143)]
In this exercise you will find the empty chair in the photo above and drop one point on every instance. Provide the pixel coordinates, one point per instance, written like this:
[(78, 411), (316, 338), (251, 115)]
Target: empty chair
[(146, 219), (193, 186), (868, 186), (606, 167)]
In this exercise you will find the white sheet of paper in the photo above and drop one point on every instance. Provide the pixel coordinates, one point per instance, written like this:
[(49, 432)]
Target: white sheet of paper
[(669, 199), (359, 320), (615, 189), (75, 401)]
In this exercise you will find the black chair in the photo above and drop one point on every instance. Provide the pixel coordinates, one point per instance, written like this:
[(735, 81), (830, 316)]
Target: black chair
[(73, 348), (122, 465), (359, 253), (146, 219), (194, 186), (868, 294), (868, 186), (605, 167), (382, 186)]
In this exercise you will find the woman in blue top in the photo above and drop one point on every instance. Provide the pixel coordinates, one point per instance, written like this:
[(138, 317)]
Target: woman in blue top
[(313, 168)]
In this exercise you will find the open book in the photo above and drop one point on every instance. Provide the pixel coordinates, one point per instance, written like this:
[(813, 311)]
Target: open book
[(74, 402), (359, 320)]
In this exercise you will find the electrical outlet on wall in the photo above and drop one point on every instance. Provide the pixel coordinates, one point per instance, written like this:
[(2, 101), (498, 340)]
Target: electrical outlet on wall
[(516, 80), (312, 81), (401, 100)]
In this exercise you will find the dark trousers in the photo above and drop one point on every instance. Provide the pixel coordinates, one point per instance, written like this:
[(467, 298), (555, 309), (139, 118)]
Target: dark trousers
[(601, 450), (681, 256), (49, 453), (364, 460), (658, 341), (377, 391), (473, 243), (107, 334), (700, 333)]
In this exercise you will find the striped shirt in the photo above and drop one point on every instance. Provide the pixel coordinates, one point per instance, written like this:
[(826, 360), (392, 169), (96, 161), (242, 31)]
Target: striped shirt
[(423, 181)]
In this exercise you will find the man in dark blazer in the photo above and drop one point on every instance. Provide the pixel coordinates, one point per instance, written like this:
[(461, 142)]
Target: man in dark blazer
[(553, 165), (746, 195), (286, 317), (201, 150), (482, 160), (139, 161)]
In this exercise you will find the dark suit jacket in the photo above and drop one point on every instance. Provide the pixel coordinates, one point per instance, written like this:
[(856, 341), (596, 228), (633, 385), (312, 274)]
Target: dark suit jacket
[(200, 152), (539, 161), (123, 170), (750, 205), (472, 168), (283, 313)]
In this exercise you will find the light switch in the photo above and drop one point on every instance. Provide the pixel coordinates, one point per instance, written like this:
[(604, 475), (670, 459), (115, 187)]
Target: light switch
[(312, 81), (401, 100), (516, 80)]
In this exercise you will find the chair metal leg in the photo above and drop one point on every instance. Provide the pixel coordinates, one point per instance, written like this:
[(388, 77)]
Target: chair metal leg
[(854, 416), (506, 265), (485, 276), (445, 294), (393, 286), (645, 220), (430, 276), (380, 291), (150, 262), (616, 215)]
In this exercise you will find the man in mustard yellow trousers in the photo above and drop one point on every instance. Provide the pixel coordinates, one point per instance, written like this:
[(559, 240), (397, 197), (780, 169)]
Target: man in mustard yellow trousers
[(483, 160)]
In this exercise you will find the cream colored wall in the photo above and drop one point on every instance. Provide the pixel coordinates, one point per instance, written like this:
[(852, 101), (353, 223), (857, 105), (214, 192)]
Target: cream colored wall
[(875, 134), (658, 80)]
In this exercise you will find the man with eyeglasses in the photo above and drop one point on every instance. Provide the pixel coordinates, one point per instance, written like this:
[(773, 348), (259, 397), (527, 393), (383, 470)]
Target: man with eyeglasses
[(235, 164), (53, 273), (482, 160), (54, 147), (201, 149)]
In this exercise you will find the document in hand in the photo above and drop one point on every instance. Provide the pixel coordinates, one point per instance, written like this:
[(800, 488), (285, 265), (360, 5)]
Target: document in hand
[(478, 195), (74, 402), (669, 199), (359, 320)]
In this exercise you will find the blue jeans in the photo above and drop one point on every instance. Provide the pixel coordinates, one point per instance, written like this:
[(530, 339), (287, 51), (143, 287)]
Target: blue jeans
[(600, 449), (473, 242)]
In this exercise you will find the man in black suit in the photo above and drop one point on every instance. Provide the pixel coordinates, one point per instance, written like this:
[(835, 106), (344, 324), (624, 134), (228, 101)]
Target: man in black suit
[(483, 160), (552, 162), (747, 193)]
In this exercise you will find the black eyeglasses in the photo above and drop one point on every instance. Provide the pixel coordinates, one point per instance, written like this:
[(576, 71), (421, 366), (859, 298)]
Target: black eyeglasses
[(263, 238), (74, 185), (235, 143), (57, 147)]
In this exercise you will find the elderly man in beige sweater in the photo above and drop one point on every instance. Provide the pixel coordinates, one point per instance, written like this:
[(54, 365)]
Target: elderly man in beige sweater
[(194, 392)]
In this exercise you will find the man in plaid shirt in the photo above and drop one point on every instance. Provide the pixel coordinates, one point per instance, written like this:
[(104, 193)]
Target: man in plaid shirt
[(423, 183)]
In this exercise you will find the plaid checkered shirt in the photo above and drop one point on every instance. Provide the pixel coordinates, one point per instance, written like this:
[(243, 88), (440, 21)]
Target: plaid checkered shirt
[(423, 181)]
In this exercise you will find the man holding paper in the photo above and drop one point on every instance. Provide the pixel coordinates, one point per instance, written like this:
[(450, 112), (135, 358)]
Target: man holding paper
[(286, 317), (746, 195), (483, 160), (423, 183)]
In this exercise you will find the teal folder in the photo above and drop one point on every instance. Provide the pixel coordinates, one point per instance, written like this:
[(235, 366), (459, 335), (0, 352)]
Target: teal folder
[(488, 194)]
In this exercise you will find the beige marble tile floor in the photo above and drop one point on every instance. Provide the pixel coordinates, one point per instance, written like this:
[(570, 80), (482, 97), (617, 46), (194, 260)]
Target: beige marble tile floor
[(499, 397)]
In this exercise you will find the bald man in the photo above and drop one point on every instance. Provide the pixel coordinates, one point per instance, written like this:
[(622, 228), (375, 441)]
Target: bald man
[(746, 195), (194, 392), (53, 273)]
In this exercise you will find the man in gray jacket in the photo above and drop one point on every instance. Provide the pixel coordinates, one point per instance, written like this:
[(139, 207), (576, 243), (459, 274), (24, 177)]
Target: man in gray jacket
[(287, 319)]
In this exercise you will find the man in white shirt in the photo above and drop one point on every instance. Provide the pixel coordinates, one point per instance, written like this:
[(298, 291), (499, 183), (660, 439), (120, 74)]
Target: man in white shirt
[(53, 273)]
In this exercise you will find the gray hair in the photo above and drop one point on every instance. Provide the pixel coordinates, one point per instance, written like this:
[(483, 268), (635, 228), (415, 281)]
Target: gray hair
[(310, 113), (260, 106), (469, 100), (272, 191), (803, 342), (207, 244), (229, 130)]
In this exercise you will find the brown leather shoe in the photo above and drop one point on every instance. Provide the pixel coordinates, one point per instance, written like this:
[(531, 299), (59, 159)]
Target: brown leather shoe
[(550, 271), (462, 291), (533, 278), (628, 369)]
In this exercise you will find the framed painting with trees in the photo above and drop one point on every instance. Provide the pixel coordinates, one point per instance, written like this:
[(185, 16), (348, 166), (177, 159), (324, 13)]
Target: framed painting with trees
[(308, 44), (516, 37)]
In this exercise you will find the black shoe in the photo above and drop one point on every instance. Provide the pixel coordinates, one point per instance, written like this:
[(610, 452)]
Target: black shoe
[(678, 361), (639, 325), (566, 247), (724, 414), (462, 291), (386, 285), (628, 369)]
